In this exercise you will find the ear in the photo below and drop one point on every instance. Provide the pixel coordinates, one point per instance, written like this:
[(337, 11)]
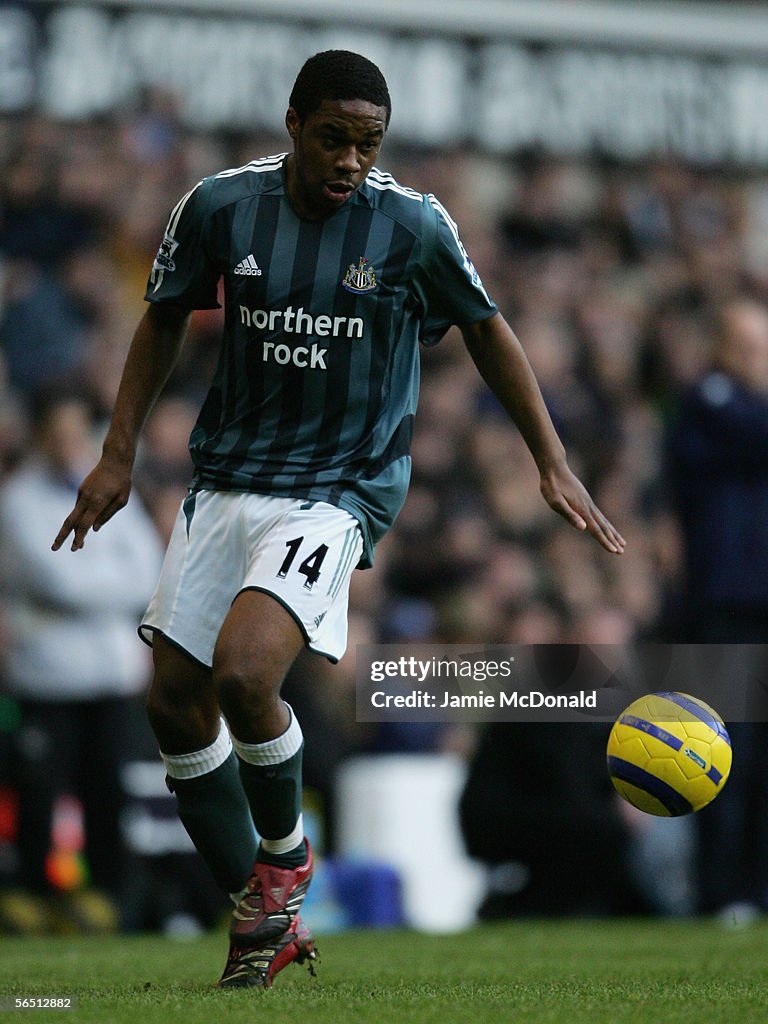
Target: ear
[(292, 122)]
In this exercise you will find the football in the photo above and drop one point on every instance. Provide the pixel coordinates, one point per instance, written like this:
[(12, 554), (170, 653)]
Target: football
[(669, 754)]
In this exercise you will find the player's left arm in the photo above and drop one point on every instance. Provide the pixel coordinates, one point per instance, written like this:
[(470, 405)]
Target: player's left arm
[(504, 366)]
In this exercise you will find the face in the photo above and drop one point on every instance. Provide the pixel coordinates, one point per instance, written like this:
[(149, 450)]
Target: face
[(65, 436), (743, 350), (334, 148)]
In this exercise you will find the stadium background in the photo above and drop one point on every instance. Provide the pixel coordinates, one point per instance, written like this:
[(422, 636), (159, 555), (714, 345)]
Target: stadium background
[(606, 163)]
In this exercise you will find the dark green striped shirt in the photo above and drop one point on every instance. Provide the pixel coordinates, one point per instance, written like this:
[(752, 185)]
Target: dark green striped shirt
[(318, 377)]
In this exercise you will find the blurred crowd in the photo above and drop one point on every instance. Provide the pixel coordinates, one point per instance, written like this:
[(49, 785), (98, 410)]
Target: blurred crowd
[(612, 277)]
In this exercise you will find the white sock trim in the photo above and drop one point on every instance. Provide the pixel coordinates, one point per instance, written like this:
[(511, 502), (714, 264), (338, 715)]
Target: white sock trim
[(237, 896), (289, 843), (200, 762), (275, 751)]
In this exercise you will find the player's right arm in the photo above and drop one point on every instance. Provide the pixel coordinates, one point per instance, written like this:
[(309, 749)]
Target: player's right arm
[(151, 357), (183, 277)]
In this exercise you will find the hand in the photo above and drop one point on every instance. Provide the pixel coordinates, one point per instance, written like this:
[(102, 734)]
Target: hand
[(566, 494), (103, 492)]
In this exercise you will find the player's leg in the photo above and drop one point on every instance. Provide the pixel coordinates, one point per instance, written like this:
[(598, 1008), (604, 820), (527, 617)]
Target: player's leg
[(294, 595), (181, 703), (257, 644), (201, 766), (225, 546)]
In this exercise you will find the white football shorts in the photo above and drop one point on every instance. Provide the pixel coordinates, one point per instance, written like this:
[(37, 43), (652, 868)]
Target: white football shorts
[(301, 552)]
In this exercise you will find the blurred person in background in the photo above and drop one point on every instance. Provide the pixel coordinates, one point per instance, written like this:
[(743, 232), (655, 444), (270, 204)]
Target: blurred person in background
[(719, 482), (538, 810), (46, 238), (73, 665), (560, 840), (718, 473)]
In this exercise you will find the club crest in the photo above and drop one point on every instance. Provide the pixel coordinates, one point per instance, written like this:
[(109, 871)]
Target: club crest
[(359, 279)]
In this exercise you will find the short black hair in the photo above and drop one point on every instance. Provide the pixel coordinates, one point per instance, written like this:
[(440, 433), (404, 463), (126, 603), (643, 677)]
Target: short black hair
[(339, 75)]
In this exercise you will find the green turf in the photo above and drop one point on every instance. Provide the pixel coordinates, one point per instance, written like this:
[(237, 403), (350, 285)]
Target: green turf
[(593, 972)]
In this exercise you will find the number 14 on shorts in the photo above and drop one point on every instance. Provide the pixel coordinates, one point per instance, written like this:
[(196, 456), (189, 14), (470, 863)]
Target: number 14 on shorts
[(309, 566)]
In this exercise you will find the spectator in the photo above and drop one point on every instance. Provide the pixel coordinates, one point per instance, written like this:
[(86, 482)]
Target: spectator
[(719, 480), (73, 665), (719, 477), (552, 836)]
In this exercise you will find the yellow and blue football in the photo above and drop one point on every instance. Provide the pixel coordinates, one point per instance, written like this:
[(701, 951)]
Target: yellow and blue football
[(669, 754)]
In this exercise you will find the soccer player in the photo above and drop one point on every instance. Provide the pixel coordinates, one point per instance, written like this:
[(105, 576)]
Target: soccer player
[(333, 273)]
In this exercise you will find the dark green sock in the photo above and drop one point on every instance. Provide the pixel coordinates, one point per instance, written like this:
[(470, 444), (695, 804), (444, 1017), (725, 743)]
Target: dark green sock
[(274, 794), (214, 810)]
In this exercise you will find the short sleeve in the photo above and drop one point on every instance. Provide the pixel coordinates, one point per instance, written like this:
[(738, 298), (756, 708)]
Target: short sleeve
[(183, 271), (447, 285)]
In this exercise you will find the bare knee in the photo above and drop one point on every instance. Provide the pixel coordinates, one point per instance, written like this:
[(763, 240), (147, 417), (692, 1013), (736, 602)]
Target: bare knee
[(257, 643), (180, 720), (180, 704), (249, 696)]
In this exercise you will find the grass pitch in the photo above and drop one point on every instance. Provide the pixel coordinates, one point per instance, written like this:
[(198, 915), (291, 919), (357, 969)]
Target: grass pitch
[(531, 972)]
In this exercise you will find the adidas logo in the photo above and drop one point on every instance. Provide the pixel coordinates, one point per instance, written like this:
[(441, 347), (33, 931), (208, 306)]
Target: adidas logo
[(249, 267)]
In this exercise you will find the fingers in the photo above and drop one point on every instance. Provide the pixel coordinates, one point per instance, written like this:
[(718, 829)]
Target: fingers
[(64, 532), (88, 513), (104, 517), (573, 517), (585, 515), (603, 531), (606, 534), (78, 522)]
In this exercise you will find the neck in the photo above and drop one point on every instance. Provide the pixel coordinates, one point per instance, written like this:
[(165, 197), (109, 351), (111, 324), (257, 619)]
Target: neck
[(296, 193)]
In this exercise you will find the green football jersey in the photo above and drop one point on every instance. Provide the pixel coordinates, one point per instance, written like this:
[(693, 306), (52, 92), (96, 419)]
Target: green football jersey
[(318, 377)]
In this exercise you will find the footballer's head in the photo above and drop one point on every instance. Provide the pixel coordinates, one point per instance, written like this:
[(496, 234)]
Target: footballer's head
[(339, 75), (338, 114)]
